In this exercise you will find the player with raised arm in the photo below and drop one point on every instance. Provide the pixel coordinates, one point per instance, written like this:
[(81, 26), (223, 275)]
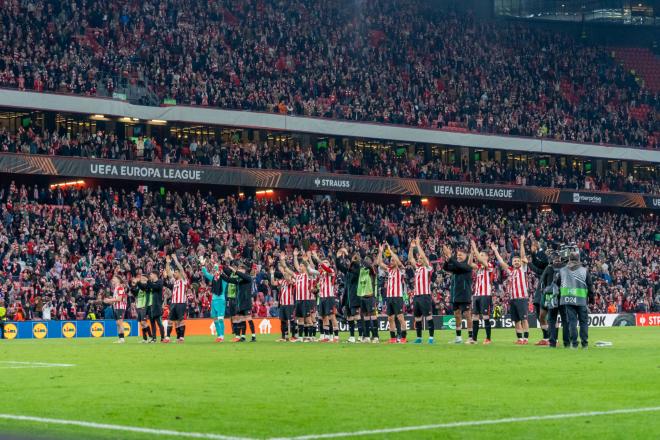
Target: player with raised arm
[(538, 264), (218, 300), (458, 264), (304, 299), (119, 302), (482, 299), (179, 281), (393, 293), (422, 301), (519, 306), (284, 279), (313, 287), (327, 298)]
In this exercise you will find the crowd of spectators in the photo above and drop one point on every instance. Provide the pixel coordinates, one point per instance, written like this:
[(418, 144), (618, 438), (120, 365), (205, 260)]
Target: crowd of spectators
[(60, 247), (385, 162), (388, 61)]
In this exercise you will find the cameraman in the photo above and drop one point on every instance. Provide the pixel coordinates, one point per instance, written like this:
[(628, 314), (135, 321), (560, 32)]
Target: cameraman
[(550, 282), (576, 289)]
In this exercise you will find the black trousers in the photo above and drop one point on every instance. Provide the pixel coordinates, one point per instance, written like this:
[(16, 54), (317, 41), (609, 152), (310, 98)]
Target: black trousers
[(554, 330), (578, 315)]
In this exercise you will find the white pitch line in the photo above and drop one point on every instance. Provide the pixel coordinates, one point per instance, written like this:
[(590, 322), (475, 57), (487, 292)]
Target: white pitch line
[(6, 365), (156, 432), (210, 436), (469, 423)]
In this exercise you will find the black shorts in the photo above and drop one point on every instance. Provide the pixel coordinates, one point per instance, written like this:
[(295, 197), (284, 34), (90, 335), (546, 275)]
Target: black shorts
[(482, 305), (231, 307), (422, 305), (177, 312), (328, 306), (155, 311), (351, 311), (519, 308), (538, 308), (286, 313), (394, 306), (462, 306), (245, 312), (367, 305), (141, 314), (305, 308), (119, 313)]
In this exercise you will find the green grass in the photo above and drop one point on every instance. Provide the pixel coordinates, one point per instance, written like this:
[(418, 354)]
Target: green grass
[(268, 389)]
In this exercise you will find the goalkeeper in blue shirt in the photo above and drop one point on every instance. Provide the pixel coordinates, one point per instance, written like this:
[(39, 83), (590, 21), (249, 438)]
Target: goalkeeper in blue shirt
[(218, 302)]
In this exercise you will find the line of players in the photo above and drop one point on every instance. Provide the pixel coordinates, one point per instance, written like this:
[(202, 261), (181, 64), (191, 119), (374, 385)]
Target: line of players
[(307, 290)]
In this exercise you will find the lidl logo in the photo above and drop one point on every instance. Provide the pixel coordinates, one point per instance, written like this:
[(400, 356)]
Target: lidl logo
[(127, 329), (10, 331), (39, 330), (97, 329), (68, 330)]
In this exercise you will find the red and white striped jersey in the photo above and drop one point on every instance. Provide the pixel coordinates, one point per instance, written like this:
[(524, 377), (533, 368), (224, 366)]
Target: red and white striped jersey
[(518, 282), (286, 292), (483, 280), (120, 294), (179, 291), (422, 280), (394, 283), (326, 282), (303, 287)]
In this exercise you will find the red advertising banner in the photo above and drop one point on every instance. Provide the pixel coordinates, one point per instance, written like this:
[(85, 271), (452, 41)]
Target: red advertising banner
[(648, 319)]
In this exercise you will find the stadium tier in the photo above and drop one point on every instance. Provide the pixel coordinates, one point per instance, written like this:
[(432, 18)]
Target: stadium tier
[(60, 247), (393, 62), (333, 161)]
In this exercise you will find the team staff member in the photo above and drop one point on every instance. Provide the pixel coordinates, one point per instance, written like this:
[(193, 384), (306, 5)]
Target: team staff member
[(366, 291), (350, 299), (482, 295), (118, 301), (461, 286), (422, 300), (517, 274), (154, 288), (3, 318), (140, 296), (576, 289), (179, 302), (393, 293)]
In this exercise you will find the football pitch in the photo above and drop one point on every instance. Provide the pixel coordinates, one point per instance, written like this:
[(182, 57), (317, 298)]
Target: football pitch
[(92, 388)]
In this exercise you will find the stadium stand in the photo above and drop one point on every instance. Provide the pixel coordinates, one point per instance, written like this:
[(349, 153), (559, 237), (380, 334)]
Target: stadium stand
[(386, 61), (339, 159)]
